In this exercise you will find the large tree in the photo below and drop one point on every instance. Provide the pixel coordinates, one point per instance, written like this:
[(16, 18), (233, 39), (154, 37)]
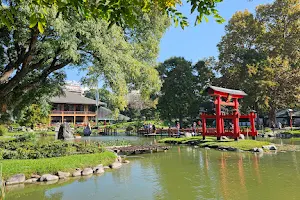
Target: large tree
[(123, 57), (260, 54), (183, 85), (120, 12)]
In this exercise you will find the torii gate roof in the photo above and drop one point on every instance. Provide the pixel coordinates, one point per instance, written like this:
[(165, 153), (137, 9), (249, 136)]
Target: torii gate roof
[(213, 90)]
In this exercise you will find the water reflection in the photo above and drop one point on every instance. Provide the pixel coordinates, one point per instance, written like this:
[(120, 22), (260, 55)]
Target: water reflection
[(256, 167), (183, 173), (223, 173)]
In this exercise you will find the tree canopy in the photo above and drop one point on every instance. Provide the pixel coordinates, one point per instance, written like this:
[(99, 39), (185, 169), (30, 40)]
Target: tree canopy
[(121, 12), (260, 54), (183, 85), (124, 58)]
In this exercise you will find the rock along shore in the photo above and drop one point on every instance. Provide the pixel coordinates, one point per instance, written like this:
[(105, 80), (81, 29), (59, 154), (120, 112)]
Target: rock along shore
[(53, 178)]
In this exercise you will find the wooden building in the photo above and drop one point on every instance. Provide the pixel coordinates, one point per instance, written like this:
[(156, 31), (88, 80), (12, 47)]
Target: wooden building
[(74, 108)]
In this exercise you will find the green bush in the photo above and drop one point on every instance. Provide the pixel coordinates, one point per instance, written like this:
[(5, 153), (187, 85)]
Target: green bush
[(3, 130), (27, 137), (129, 128)]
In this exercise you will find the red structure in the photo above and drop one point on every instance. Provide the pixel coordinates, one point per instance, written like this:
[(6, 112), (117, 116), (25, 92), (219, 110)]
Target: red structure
[(227, 97)]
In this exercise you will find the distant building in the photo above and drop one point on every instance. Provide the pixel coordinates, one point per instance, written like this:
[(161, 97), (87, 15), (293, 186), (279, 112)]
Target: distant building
[(283, 117), (73, 107)]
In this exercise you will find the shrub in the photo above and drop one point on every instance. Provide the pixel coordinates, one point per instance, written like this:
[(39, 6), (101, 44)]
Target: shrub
[(27, 137), (36, 150), (3, 130), (129, 128)]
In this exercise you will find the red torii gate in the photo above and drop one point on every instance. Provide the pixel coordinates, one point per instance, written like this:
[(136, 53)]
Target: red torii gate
[(227, 97)]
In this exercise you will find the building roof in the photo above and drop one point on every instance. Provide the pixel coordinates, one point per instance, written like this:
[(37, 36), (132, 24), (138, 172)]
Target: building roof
[(106, 114), (226, 90), (285, 114), (73, 98)]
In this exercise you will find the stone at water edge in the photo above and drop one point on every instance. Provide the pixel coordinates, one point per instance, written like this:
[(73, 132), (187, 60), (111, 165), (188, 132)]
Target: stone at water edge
[(77, 172), (126, 161), (31, 180), (35, 176), (207, 148), (258, 150), (273, 147), (118, 159), (87, 171), (270, 147), (224, 138), (106, 167), (115, 165), (271, 135), (48, 177), (99, 169), (242, 137), (231, 149), (63, 174), (16, 179)]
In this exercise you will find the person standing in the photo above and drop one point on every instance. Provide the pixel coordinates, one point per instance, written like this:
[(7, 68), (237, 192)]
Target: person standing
[(178, 128), (154, 129), (194, 129)]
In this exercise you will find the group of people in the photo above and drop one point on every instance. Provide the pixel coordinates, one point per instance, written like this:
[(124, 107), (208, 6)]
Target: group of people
[(150, 127)]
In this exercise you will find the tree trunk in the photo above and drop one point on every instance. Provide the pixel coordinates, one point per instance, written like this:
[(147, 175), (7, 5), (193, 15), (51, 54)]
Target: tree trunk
[(272, 116), (180, 120)]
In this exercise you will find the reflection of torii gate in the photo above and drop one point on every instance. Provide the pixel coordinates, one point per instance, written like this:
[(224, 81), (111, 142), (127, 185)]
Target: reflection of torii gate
[(227, 97)]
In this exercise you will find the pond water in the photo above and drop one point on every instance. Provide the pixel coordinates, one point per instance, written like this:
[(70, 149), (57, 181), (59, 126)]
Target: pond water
[(181, 173)]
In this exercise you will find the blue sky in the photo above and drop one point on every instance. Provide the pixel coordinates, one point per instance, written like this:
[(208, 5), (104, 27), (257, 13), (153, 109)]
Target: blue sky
[(194, 42)]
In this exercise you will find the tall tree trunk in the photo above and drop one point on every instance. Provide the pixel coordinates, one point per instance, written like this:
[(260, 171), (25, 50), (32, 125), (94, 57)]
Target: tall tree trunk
[(272, 116), (180, 120)]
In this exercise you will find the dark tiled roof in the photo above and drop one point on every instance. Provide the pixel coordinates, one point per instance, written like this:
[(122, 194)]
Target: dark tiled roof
[(225, 90), (285, 114), (73, 98)]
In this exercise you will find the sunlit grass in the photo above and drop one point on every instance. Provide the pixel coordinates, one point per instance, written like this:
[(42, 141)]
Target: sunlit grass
[(52, 165), (243, 144), (184, 140)]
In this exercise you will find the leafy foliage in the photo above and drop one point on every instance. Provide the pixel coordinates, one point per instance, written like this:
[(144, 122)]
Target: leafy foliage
[(3, 130), (34, 114), (260, 55), (31, 61), (183, 85), (35, 150), (122, 12)]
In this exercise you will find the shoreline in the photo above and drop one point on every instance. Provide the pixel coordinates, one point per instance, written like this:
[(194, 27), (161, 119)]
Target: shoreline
[(51, 170), (36, 168), (231, 145)]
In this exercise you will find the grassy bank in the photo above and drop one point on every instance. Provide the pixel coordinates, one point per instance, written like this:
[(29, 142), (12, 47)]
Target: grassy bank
[(185, 140), (212, 142), (16, 134), (52, 165), (245, 145), (293, 132)]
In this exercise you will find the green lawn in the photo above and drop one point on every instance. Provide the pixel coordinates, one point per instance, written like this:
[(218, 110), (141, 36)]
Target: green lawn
[(184, 140), (293, 132), (52, 165), (12, 135), (4, 138), (213, 143), (242, 144)]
